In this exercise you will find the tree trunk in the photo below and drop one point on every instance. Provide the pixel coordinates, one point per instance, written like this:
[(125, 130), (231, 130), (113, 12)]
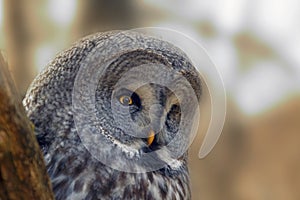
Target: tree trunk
[(22, 170)]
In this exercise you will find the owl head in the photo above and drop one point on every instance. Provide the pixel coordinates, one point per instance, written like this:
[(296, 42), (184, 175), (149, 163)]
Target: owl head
[(135, 101)]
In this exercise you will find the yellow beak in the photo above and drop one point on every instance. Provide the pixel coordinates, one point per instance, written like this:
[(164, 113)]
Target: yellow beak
[(150, 137)]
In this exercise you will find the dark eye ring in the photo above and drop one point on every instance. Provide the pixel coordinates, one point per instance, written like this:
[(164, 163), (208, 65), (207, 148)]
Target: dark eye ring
[(126, 100)]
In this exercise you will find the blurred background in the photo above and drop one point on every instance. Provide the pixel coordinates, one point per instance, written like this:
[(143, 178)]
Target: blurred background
[(255, 46)]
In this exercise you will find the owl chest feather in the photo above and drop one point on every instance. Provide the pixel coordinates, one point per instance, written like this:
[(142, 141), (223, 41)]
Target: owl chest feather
[(84, 177)]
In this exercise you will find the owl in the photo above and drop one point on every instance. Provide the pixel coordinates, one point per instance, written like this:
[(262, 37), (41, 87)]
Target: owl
[(112, 115)]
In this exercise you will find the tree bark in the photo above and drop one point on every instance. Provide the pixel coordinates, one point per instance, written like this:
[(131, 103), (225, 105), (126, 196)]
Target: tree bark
[(22, 170)]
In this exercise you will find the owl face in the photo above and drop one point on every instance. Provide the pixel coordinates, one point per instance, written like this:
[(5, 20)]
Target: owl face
[(144, 102)]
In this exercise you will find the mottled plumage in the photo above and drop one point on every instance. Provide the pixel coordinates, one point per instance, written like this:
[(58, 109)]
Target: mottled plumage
[(75, 173)]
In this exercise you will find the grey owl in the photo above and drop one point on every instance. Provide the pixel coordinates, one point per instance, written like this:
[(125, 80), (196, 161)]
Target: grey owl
[(130, 118)]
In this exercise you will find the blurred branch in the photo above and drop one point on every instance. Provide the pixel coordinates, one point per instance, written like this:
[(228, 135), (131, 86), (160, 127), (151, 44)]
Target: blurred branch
[(22, 171), (18, 41), (104, 15)]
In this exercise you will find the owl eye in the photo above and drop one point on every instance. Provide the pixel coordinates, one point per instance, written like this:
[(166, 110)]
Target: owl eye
[(126, 100)]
